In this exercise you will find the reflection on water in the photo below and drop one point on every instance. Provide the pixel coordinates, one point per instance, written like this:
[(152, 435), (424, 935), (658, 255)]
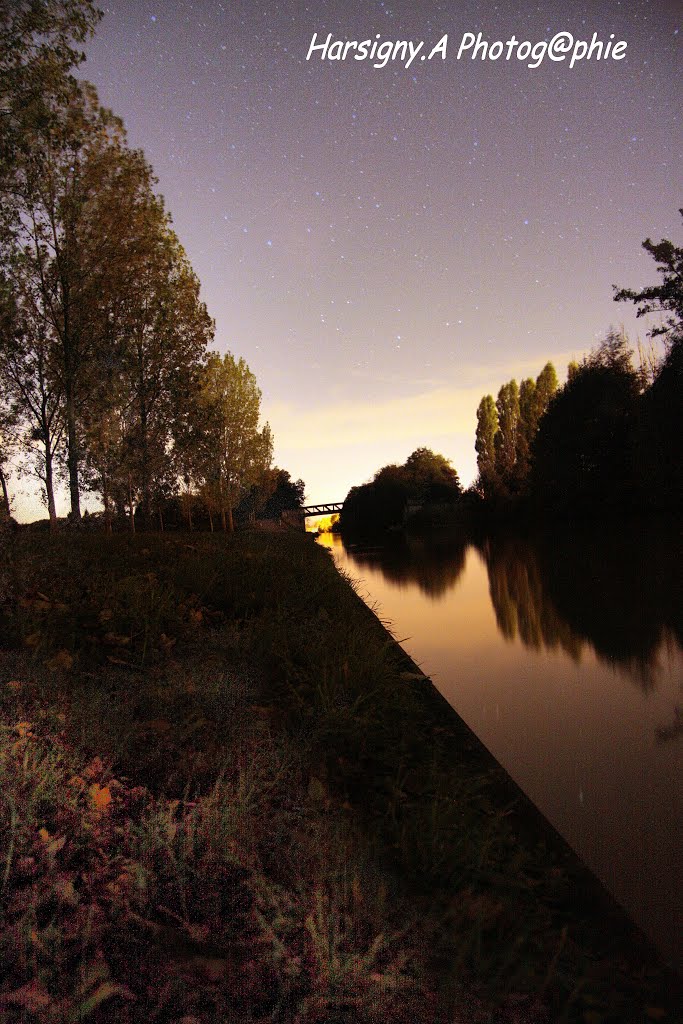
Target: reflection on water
[(619, 594), (537, 643), (435, 564)]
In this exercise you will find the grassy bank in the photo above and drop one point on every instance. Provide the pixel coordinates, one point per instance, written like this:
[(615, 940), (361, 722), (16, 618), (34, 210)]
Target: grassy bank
[(227, 797)]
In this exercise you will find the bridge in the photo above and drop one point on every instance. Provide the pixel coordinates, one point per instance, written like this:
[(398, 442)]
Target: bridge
[(322, 510), (296, 517)]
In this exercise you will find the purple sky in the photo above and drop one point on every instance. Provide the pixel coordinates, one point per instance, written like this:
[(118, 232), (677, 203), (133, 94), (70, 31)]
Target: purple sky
[(385, 245)]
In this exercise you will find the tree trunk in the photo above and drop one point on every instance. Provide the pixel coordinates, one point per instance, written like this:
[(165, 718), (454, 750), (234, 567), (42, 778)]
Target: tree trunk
[(72, 457), (5, 494), (222, 498), (49, 487), (161, 520), (145, 504), (210, 519), (231, 525), (130, 504), (107, 505)]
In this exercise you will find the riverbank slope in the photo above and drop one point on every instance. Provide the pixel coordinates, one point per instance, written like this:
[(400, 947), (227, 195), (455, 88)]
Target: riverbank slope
[(228, 794)]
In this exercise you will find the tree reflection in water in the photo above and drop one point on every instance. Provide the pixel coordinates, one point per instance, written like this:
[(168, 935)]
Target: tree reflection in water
[(434, 563), (616, 589)]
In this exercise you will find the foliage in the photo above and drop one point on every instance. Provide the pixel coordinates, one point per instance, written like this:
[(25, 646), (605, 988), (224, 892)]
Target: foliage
[(103, 358), (505, 441), (585, 447), (233, 453), (487, 428), (32, 393), (39, 48), (274, 493), (425, 478), (506, 430), (665, 297)]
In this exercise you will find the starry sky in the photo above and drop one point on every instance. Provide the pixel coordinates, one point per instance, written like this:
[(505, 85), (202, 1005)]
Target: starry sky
[(385, 245)]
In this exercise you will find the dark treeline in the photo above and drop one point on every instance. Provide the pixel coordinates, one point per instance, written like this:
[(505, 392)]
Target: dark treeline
[(608, 441), (610, 438), (384, 502), (107, 379)]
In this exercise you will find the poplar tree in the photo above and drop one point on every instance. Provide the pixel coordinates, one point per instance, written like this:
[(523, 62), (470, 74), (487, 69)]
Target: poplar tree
[(485, 443), (507, 405), (40, 46), (235, 452), (33, 400)]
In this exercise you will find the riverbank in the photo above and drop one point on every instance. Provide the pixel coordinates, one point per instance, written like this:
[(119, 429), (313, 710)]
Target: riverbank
[(228, 794)]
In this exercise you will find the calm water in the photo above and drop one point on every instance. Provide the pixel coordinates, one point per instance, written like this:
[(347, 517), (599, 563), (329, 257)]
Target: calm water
[(566, 659)]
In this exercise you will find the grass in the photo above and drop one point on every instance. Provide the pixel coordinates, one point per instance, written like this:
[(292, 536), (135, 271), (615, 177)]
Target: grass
[(224, 798)]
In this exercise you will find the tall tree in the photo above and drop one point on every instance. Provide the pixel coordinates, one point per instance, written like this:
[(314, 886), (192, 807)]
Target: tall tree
[(149, 372), (661, 424), (40, 46), (7, 437), (34, 398), (236, 451), (507, 405), (528, 423), (485, 443), (546, 386), (75, 235), (584, 449), (667, 296)]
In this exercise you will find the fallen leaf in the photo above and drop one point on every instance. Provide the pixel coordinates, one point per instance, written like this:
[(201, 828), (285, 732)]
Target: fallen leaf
[(95, 768), (104, 991), (61, 660), (100, 796), (158, 725), (117, 639), (32, 997), (66, 891)]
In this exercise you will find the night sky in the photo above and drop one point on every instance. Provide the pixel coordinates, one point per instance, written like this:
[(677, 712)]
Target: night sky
[(385, 245)]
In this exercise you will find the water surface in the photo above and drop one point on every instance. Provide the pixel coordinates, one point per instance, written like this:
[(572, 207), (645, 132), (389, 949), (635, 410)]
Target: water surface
[(565, 657)]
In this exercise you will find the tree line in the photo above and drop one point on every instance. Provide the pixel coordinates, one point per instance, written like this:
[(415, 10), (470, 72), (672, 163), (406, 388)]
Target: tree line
[(607, 439), (107, 377), (610, 437), (424, 478)]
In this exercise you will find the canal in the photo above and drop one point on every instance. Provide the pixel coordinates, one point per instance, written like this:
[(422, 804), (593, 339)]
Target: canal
[(565, 657)]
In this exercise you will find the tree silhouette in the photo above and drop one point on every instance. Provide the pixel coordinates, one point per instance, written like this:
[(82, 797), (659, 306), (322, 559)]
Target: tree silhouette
[(665, 297), (583, 455), (485, 445), (425, 477)]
